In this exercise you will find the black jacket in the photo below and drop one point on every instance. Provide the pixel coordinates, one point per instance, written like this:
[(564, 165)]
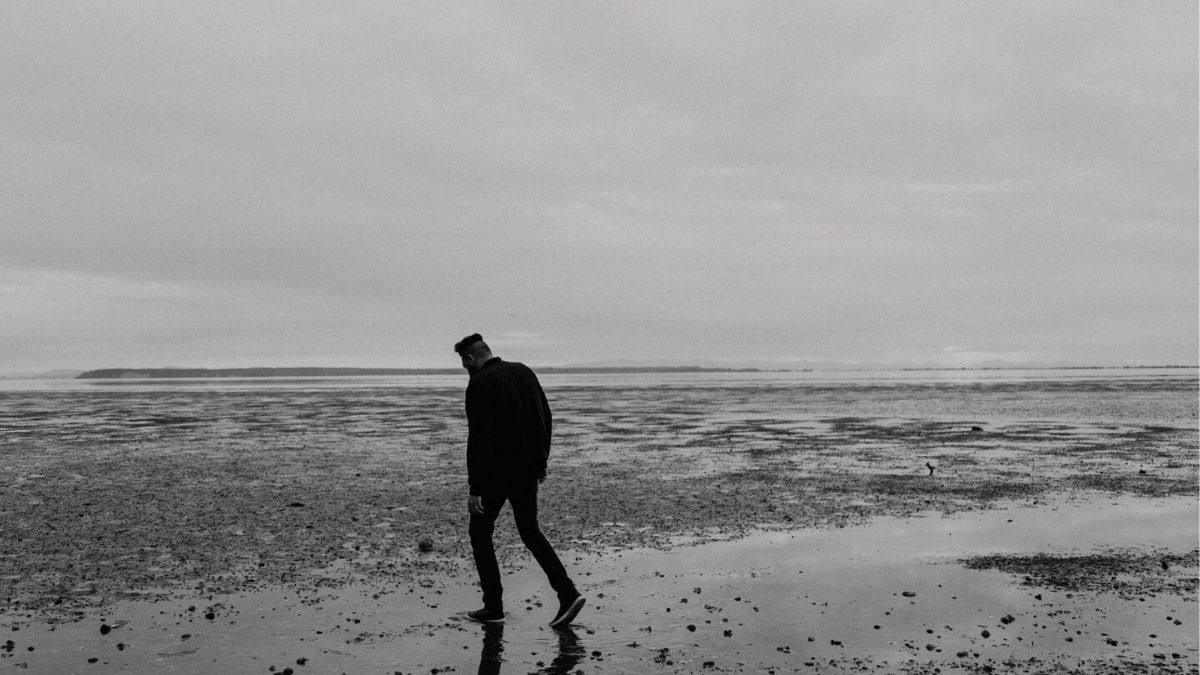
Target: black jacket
[(508, 420)]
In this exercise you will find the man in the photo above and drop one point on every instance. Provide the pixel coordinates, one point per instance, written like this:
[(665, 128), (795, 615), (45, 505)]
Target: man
[(508, 442)]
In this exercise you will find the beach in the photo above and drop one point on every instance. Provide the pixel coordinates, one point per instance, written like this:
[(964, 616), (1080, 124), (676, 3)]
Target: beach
[(928, 522)]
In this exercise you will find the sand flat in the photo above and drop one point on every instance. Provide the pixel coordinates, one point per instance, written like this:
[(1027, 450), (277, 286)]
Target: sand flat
[(287, 508)]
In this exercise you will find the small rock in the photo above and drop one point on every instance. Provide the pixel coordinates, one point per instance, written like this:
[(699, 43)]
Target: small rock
[(909, 594), (425, 546), (105, 629)]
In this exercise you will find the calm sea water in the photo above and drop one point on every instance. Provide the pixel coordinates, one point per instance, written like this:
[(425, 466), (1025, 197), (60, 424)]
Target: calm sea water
[(589, 408), (623, 380)]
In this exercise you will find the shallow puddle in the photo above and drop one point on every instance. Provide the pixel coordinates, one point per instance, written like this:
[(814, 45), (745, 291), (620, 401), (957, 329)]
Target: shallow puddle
[(890, 592)]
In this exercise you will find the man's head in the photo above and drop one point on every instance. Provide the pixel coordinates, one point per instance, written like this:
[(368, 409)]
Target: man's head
[(473, 351)]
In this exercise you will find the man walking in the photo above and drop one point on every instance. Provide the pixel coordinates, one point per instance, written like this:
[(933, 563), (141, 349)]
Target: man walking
[(508, 443)]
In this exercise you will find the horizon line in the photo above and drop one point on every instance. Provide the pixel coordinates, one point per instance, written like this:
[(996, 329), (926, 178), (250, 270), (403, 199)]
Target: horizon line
[(279, 371)]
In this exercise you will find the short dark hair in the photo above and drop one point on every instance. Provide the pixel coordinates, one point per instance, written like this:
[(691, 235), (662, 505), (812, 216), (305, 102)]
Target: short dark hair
[(461, 345)]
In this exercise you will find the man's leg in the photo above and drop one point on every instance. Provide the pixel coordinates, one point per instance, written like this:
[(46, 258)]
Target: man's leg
[(481, 528), (524, 506)]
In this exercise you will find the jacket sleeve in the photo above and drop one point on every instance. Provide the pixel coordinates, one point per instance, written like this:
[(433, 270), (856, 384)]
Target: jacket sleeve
[(549, 418), (544, 430), (476, 450)]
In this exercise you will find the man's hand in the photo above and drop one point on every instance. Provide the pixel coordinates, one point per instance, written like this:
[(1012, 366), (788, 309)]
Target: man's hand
[(475, 505)]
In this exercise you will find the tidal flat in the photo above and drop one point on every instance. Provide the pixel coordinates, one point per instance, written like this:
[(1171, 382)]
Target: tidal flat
[(724, 523)]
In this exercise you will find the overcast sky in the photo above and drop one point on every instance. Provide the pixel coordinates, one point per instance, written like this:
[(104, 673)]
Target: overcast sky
[(357, 184)]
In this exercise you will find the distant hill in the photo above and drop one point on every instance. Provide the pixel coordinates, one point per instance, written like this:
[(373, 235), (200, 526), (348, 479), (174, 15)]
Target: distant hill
[(57, 374), (191, 373)]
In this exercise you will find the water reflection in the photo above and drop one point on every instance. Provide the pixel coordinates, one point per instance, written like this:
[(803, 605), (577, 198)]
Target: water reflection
[(570, 652), (493, 647)]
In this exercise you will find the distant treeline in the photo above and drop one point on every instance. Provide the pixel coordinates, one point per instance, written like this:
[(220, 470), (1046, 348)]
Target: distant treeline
[(189, 373)]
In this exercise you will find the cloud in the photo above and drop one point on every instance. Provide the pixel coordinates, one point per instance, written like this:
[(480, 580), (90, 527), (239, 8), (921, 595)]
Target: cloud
[(821, 179)]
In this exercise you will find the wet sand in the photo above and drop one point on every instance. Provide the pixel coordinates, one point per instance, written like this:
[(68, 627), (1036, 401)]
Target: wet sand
[(276, 528)]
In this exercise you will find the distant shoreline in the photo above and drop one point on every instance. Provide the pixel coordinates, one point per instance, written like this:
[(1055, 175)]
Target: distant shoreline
[(192, 373), (214, 373)]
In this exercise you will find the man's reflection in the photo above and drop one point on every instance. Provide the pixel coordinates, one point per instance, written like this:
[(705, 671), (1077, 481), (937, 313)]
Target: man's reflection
[(570, 652), (493, 647)]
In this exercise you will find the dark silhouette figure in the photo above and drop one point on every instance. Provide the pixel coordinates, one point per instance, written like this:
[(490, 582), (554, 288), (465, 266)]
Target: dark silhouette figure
[(508, 444)]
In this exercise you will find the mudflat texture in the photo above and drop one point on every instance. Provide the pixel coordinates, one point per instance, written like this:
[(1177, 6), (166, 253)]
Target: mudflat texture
[(119, 491)]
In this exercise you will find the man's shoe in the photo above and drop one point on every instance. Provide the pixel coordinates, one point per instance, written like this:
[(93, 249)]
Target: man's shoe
[(486, 615), (567, 611)]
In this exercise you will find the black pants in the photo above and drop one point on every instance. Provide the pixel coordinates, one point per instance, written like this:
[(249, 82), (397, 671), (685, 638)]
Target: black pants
[(524, 506)]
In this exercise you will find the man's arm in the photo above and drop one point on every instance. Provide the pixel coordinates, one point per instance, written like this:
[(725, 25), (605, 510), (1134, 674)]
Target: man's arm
[(546, 411), (475, 447), (547, 424)]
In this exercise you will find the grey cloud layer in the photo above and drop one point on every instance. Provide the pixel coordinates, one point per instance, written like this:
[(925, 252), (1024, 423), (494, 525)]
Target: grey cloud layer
[(831, 180)]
